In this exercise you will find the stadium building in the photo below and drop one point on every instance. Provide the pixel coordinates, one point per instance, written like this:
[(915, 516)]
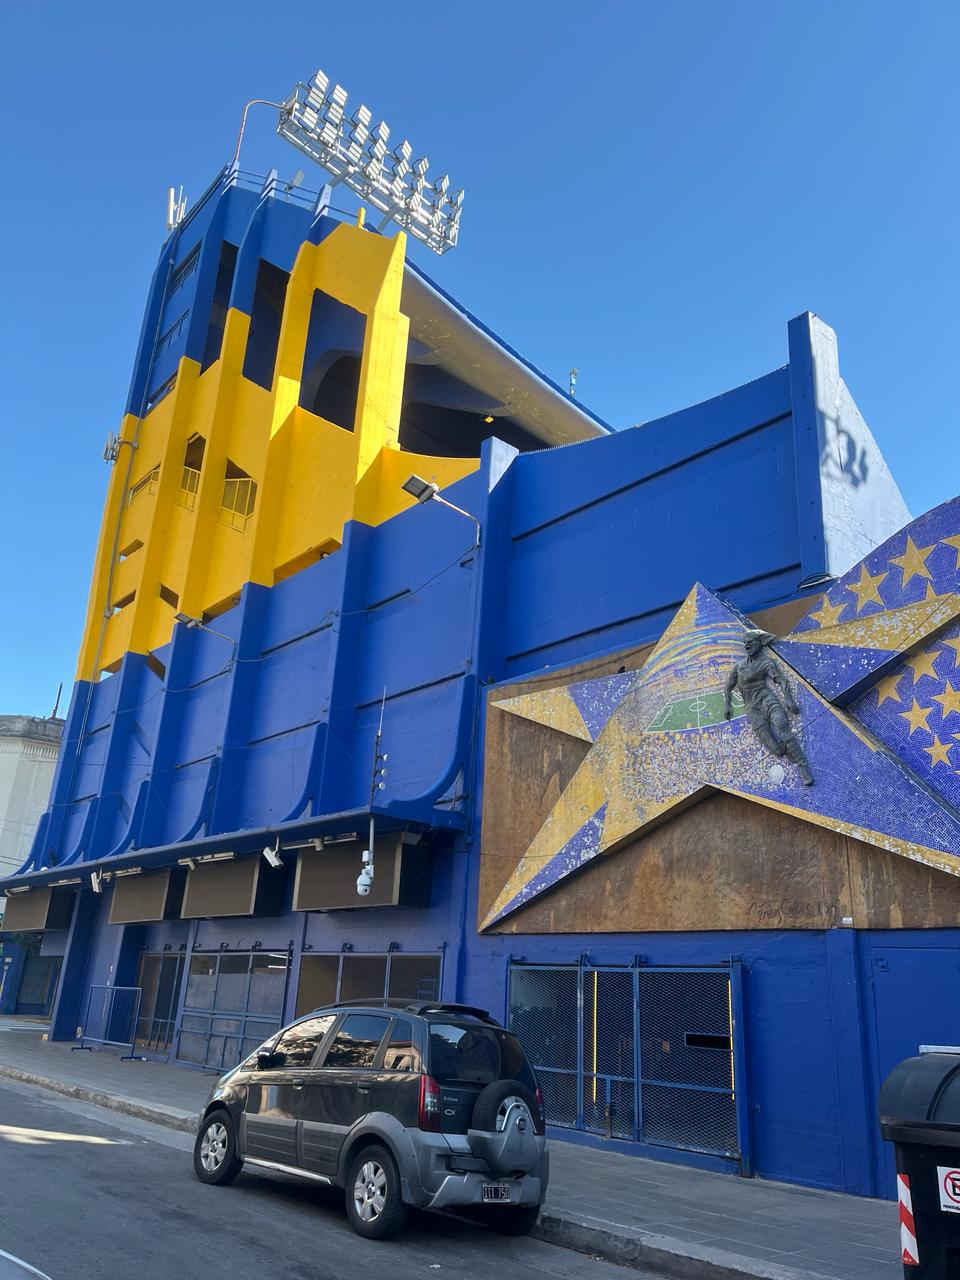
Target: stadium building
[(363, 568)]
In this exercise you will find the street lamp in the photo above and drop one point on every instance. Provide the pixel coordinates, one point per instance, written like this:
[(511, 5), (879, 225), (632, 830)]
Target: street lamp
[(426, 491), (192, 623)]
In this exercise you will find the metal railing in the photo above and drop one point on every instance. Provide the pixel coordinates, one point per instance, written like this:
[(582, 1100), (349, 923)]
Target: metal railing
[(111, 1019)]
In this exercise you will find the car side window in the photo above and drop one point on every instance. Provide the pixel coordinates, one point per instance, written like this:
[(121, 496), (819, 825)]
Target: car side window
[(357, 1041), (401, 1053), (299, 1043)]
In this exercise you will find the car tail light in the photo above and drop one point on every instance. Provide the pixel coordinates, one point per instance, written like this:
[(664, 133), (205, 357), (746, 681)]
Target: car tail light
[(429, 1116), (539, 1096)]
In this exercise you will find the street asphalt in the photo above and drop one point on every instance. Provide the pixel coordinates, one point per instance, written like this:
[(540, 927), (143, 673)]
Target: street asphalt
[(86, 1193)]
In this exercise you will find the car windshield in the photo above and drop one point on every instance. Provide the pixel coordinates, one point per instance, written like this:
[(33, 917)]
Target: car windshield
[(474, 1054)]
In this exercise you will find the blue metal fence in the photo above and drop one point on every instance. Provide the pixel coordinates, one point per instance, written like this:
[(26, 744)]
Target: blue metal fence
[(111, 1019), (643, 1053)]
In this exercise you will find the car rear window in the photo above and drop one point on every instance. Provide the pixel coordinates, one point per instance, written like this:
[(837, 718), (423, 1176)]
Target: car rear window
[(474, 1054)]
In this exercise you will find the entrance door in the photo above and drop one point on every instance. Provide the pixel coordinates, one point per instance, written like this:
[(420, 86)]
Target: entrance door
[(915, 1003), (274, 1094), (340, 1091), (38, 984)]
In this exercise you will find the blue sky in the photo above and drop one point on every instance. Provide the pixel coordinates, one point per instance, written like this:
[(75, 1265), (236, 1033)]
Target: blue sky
[(653, 190)]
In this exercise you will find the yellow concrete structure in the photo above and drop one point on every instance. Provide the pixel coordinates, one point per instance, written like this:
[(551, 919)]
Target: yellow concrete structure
[(276, 484)]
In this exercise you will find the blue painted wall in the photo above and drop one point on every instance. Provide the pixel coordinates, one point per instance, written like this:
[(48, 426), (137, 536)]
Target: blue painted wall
[(586, 549)]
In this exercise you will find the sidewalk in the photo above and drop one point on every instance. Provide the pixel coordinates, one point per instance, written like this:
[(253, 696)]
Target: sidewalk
[(675, 1221)]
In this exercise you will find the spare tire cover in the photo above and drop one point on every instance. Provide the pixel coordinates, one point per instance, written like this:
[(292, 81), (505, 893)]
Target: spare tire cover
[(488, 1103)]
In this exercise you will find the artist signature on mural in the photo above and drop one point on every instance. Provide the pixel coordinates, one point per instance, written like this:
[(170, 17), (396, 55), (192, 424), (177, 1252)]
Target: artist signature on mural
[(775, 910)]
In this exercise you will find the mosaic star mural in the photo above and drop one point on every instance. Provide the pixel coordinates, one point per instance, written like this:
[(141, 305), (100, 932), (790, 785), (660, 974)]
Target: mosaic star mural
[(874, 667)]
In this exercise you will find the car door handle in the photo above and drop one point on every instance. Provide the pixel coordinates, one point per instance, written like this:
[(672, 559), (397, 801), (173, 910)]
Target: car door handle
[(297, 1084), (363, 1088)]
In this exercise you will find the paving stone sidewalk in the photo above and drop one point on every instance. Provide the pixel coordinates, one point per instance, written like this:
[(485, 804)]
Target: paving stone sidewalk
[(679, 1222)]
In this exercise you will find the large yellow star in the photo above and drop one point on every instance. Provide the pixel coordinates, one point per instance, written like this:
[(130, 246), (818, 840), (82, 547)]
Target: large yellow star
[(955, 543), (868, 588), (828, 614), (955, 646), (916, 717), (949, 700), (921, 664), (939, 753), (913, 562), (887, 689)]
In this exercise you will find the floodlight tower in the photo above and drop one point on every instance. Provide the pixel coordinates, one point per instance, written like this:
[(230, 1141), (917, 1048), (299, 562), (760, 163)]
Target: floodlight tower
[(313, 118)]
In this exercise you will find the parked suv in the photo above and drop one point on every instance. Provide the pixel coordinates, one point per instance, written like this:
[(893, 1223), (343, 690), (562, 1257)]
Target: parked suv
[(433, 1105)]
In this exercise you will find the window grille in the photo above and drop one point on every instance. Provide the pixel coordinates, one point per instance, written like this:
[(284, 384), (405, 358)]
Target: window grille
[(146, 485), (236, 506), (189, 484), (184, 270)]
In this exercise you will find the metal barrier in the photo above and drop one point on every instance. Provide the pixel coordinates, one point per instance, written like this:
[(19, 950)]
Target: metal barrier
[(111, 1019), (638, 1052)]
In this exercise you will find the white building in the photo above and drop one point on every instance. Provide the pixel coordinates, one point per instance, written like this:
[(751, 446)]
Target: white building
[(28, 758)]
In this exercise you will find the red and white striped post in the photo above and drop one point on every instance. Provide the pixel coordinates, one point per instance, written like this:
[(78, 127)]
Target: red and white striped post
[(909, 1253)]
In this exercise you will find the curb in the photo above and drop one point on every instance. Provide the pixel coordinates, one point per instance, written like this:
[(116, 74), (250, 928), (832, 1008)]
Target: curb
[(666, 1257), (168, 1117)]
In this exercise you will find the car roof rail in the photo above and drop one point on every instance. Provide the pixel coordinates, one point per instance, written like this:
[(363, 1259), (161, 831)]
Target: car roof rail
[(392, 1003), (436, 1007)]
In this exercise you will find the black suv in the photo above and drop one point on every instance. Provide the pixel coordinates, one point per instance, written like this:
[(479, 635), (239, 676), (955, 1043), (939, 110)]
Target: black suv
[(433, 1105)]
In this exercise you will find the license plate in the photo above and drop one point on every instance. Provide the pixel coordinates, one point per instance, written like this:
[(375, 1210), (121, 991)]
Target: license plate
[(498, 1191)]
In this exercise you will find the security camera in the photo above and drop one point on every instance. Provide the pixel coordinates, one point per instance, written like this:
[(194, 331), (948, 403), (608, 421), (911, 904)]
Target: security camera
[(364, 882), (273, 856)]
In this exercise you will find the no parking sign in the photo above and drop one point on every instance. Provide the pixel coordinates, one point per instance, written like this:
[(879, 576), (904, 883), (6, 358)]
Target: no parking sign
[(949, 1184)]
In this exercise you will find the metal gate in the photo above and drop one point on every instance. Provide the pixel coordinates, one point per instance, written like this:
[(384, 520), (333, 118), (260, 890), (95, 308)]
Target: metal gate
[(642, 1053), (38, 984)]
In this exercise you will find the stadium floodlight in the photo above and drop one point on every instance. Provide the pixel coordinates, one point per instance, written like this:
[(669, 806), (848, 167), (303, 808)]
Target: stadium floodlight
[(314, 119)]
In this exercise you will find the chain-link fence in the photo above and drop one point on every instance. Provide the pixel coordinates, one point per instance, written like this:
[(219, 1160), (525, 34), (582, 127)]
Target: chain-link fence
[(639, 1053)]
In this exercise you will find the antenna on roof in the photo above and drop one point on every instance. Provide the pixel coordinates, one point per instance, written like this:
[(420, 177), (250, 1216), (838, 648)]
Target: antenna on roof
[(574, 375), (176, 208), (56, 705), (295, 181)]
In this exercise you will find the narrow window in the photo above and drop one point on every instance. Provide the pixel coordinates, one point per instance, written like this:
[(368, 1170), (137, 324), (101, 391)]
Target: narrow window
[(184, 270), (239, 497), (168, 597), (190, 479), (148, 484), (221, 304), (265, 317)]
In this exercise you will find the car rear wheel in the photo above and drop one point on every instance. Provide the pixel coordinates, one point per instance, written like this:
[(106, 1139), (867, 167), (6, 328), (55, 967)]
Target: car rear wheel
[(215, 1158), (375, 1206), (515, 1220)]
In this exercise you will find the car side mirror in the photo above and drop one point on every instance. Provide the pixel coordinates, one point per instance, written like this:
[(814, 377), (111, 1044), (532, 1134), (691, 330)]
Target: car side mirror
[(266, 1060)]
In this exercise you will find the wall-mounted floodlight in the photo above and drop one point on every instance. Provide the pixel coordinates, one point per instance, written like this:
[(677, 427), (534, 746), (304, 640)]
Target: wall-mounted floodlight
[(427, 491), (314, 118), (96, 881), (192, 623)]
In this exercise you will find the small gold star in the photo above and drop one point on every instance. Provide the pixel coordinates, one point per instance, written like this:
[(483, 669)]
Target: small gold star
[(955, 543), (828, 614), (868, 588), (949, 700), (887, 689), (921, 664), (916, 717), (913, 562), (939, 752), (955, 646)]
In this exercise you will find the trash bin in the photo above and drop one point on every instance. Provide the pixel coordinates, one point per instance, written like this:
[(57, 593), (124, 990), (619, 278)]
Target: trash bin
[(920, 1115)]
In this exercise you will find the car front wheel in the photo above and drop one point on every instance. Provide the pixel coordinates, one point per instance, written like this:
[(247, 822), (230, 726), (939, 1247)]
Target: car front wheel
[(375, 1206), (215, 1158)]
